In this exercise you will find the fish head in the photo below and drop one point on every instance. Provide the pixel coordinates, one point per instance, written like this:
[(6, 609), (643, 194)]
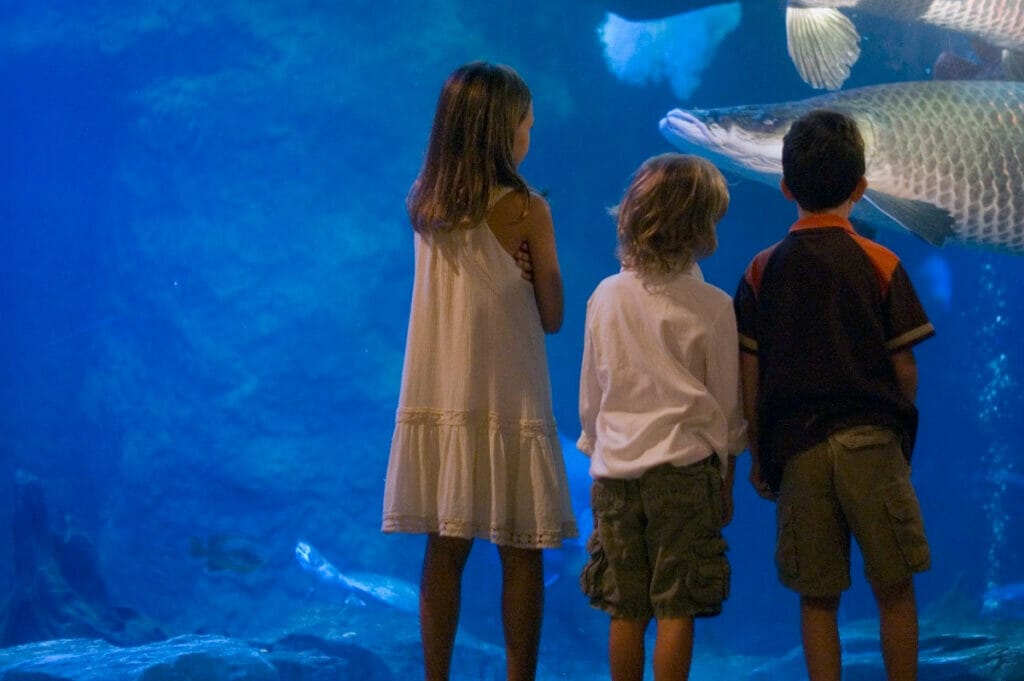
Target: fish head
[(745, 140)]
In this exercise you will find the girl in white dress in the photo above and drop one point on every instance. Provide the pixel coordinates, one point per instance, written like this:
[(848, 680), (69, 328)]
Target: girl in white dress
[(475, 452)]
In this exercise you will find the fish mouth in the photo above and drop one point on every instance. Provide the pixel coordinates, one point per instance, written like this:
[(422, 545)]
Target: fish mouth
[(740, 144), (683, 125)]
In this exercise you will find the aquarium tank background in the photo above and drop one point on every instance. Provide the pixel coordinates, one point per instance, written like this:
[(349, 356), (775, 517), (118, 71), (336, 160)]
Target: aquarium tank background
[(205, 275)]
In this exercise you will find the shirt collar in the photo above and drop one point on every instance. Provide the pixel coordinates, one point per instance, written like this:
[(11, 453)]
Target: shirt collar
[(693, 271), (820, 220)]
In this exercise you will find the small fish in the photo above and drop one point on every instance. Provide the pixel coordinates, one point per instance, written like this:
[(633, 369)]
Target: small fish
[(824, 43), (945, 159), (226, 552), (391, 591)]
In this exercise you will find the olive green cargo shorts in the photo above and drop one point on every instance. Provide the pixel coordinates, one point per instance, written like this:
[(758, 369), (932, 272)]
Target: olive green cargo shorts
[(657, 547), (856, 482)]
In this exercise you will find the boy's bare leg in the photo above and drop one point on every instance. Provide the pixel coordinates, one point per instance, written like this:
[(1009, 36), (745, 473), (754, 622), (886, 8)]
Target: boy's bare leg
[(819, 625), (440, 601), (673, 649), (522, 608), (898, 629), (626, 649)]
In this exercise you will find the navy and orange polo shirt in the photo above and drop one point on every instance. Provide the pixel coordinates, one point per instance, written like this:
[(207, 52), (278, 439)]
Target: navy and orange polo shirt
[(824, 309)]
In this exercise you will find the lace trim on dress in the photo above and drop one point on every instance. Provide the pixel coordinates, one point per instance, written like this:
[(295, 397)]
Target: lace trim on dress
[(453, 417), (542, 521), (500, 536)]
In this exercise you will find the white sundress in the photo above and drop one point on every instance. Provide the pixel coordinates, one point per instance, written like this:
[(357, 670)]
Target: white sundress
[(475, 451)]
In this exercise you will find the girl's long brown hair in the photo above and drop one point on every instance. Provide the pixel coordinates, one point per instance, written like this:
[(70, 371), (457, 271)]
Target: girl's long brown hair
[(470, 148)]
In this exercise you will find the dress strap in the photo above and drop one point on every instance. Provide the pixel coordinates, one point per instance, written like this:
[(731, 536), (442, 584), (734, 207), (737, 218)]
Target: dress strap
[(497, 195)]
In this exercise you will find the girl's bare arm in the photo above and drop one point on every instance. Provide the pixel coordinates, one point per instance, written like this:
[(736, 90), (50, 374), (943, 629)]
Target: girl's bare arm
[(546, 275)]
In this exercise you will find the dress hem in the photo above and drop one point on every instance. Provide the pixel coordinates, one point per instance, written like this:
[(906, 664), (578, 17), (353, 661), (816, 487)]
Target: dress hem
[(537, 539)]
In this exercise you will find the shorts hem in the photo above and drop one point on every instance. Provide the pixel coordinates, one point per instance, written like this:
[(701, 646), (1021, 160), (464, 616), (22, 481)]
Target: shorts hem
[(619, 613)]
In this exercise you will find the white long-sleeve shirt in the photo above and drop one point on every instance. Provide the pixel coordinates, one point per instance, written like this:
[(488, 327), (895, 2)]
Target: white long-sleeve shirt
[(660, 376)]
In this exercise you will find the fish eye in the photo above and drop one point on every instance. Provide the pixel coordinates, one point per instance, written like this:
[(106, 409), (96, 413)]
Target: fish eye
[(765, 119)]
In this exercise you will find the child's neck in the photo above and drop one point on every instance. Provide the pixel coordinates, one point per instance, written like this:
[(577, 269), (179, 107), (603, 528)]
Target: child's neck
[(843, 210)]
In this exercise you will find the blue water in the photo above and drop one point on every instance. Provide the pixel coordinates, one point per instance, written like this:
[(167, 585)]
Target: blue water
[(205, 272)]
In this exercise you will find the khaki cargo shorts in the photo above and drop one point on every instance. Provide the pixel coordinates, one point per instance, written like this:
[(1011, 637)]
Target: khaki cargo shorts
[(855, 483), (657, 547)]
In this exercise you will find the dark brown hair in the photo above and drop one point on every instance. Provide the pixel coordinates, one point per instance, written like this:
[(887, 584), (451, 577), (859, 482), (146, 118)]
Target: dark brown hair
[(822, 159)]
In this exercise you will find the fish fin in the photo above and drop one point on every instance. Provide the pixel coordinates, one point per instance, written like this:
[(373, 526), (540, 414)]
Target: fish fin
[(986, 52), (823, 44), (932, 224), (1013, 65), (951, 66), (985, 62)]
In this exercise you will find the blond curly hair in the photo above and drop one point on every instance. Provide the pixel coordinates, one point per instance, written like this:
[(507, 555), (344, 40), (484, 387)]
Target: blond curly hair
[(667, 217)]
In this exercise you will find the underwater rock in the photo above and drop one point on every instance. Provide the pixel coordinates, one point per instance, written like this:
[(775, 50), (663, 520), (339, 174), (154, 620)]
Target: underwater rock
[(58, 590), (311, 658), (193, 658), (951, 648), (186, 658)]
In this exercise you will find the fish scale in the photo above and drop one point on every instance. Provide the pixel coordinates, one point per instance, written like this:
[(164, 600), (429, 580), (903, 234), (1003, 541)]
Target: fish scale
[(945, 160)]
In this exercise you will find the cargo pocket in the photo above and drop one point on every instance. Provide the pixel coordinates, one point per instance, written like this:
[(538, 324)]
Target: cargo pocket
[(785, 546), (859, 437), (708, 579), (593, 572), (905, 520), (715, 500)]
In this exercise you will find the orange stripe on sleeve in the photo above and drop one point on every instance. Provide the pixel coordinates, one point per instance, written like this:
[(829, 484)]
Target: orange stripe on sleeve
[(882, 259), (755, 271)]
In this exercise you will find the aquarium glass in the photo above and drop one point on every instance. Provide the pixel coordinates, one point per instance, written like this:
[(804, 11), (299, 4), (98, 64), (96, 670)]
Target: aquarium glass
[(205, 278)]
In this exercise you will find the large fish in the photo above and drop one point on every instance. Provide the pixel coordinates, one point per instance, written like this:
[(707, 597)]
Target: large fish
[(945, 159), (823, 42)]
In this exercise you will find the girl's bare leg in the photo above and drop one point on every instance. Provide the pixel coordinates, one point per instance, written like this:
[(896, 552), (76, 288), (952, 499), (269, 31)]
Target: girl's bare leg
[(440, 601), (522, 608)]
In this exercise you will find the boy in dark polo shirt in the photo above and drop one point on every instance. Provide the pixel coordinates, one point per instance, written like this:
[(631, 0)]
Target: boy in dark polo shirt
[(827, 320)]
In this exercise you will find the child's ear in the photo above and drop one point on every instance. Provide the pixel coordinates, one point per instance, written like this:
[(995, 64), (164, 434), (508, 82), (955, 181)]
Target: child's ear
[(859, 190), (785, 190)]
